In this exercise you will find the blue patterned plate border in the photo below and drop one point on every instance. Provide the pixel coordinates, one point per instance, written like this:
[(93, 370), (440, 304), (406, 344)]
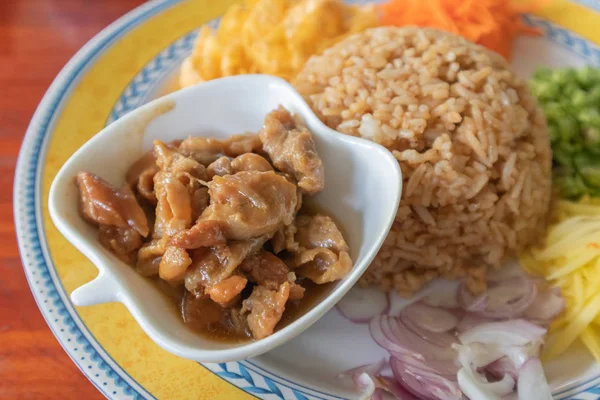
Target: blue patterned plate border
[(52, 299)]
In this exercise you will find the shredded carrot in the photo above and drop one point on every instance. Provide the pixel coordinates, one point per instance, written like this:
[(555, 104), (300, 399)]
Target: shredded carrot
[(490, 23)]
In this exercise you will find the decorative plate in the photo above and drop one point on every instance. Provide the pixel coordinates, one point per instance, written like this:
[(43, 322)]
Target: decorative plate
[(124, 66)]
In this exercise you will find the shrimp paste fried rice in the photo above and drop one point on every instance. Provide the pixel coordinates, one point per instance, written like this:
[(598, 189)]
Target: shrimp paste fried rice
[(470, 139)]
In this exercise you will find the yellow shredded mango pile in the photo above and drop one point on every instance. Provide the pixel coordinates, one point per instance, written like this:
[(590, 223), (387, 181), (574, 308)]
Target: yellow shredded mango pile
[(570, 260), (273, 37)]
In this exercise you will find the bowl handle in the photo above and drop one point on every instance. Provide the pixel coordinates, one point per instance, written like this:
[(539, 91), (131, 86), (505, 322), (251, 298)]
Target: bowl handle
[(103, 289)]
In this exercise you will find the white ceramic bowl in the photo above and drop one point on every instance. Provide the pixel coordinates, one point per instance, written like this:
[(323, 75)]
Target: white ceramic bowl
[(363, 184)]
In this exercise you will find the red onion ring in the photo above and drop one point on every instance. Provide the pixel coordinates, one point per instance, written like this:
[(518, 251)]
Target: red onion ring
[(445, 368), (429, 318), (503, 299), (426, 386), (381, 332), (359, 305), (444, 339), (425, 349), (393, 387)]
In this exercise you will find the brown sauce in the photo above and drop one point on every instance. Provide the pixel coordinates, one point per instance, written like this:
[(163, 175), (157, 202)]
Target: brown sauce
[(211, 321)]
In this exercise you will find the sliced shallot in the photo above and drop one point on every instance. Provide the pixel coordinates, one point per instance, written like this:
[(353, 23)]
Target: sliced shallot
[(501, 367), (547, 305), (429, 318), (426, 386), (381, 331), (517, 332), (532, 383), (509, 299), (501, 387), (392, 386), (471, 302), (471, 320), (361, 304)]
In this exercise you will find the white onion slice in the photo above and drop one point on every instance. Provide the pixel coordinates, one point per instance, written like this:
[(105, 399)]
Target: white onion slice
[(429, 318), (516, 332), (471, 389), (477, 355), (547, 305), (361, 304), (519, 355), (532, 383), (364, 382), (500, 388)]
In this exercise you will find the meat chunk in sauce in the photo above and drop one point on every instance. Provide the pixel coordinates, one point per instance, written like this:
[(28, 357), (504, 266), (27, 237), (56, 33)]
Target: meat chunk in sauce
[(322, 254), (245, 162), (313, 231), (265, 308), (203, 150), (227, 292), (250, 162), (149, 257), (176, 186), (245, 205), (123, 242), (221, 167), (141, 176), (225, 231), (292, 150), (323, 265), (237, 145), (221, 323), (208, 150), (212, 265), (174, 264), (284, 239), (266, 269), (102, 204)]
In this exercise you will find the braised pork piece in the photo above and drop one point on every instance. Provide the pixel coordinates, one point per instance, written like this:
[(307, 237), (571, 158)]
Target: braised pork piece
[(221, 223)]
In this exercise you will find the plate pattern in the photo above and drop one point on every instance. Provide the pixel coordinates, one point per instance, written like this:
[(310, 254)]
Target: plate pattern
[(79, 343)]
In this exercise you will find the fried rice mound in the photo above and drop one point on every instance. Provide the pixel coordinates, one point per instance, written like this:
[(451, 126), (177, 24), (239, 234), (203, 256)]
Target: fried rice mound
[(470, 139)]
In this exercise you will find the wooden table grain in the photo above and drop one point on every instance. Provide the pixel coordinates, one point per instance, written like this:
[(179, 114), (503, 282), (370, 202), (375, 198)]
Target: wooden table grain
[(37, 38)]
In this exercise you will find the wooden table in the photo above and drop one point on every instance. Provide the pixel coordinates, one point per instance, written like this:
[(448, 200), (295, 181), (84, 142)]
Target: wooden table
[(37, 37)]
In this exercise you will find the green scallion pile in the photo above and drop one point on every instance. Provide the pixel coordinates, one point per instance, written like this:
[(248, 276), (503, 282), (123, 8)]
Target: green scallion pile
[(571, 100)]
